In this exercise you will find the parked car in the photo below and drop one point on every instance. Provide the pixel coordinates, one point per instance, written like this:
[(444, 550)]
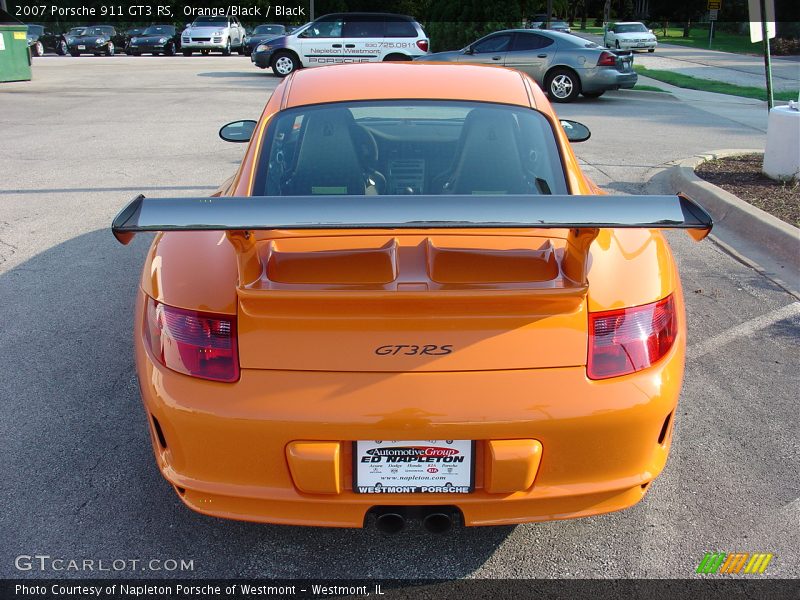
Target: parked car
[(411, 301), (263, 33), (129, 34), (343, 38), (156, 39), (561, 26), (41, 40), (563, 64), (96, 39), (218, 34), (630, 36)]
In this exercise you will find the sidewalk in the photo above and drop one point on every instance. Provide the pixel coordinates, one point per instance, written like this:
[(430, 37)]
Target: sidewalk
[(737, 69), (746, 111)]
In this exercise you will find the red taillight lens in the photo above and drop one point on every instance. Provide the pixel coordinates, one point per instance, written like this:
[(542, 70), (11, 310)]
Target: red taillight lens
[(607, 59), (194, 343), (422, 45), (628, 340)]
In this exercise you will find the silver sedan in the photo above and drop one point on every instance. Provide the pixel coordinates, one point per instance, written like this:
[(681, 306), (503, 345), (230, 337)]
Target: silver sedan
[(563, 65)]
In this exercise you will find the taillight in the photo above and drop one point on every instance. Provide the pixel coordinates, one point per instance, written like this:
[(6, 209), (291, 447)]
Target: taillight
[(630, 339), (607, 59), (193, 343), (422, 45)]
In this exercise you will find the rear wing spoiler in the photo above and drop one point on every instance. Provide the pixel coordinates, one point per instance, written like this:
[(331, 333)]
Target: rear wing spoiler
[(585, 214)]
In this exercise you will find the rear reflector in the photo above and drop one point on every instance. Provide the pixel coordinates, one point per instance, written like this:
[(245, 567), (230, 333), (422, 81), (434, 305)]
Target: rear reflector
[(607, 59), (422, 45), (630, 339), (193, 343)]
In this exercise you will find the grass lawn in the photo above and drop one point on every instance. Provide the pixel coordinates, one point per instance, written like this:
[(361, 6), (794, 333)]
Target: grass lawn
[(698, 38), (705, 85)]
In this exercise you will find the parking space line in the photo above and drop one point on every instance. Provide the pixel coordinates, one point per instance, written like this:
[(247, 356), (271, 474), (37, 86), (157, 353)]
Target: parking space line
[(741, 330)]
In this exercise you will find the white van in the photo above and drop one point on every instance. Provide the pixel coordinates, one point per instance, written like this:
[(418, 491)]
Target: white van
[(343, 38)]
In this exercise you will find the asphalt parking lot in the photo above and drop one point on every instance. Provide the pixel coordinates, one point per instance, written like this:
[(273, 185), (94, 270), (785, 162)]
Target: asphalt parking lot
[(87, 134)]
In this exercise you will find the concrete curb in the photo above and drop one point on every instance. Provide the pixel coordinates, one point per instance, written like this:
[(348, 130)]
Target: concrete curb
[(748, 233), (743, 220)]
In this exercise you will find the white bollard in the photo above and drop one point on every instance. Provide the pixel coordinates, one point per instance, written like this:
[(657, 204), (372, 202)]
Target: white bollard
[(782, 155)]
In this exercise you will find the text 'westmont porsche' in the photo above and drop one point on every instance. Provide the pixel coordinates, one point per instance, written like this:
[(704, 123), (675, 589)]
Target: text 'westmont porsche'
[(409, 300)]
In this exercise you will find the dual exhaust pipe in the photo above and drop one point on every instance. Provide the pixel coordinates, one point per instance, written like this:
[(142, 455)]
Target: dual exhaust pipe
[(434, 520)]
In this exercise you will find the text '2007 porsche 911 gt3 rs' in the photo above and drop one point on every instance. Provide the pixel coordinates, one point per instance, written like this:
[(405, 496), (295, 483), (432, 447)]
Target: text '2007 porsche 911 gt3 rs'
[(409, 300)]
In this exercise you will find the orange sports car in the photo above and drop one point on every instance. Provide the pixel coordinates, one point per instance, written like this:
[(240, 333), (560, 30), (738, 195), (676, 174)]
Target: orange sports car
[(409, 301)]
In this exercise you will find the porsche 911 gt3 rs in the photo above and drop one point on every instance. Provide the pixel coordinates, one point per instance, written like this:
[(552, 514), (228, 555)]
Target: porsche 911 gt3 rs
[(409, 301)]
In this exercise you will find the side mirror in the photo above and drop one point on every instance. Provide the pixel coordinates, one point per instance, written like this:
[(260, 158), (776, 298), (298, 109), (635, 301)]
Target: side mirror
[(469, 50), (650, 30), (238, 131), (576, 132)]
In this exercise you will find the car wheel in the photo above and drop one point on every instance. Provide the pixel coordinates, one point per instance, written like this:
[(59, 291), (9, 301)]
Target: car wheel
[(593, 94), (226, 51), (284, 64), (187, 52), (563, 85), (242, 49), (396, 57), (37, 49), (61, 50), (651, 50), (170, 51), (110, 49)]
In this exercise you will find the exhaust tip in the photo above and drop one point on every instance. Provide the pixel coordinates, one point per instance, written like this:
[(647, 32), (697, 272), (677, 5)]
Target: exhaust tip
[(437, 522), (390, 523)]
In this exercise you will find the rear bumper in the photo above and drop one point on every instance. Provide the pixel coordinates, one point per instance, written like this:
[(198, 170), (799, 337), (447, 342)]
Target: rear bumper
[(224, 445), (602, 79), (637, 45)]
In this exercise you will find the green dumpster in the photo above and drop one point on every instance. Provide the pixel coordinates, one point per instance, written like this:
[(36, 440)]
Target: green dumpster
[(15, 58)]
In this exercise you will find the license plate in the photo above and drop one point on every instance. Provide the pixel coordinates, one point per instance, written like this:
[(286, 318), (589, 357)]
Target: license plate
[(640, 45), (81, 47), (413, 467)]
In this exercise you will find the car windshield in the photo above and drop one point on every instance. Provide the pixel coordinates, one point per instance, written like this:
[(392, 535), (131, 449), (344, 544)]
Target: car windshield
[(561, 24), (210, 21), (409, 147), (631, 28), (159, 29), (35, 30), (76, 31), (96, 31), (267, 29)]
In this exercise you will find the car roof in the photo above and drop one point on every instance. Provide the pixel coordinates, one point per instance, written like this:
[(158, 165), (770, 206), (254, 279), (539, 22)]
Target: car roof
[(404, 80), (366, 14), (557, 35), (627, 23)]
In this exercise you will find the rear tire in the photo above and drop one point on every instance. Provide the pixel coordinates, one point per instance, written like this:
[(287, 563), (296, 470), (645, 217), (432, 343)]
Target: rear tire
[(170, 51), (563, 85), (242, 49), (284, 63), (110, 49), (226, 51), (62, 48)]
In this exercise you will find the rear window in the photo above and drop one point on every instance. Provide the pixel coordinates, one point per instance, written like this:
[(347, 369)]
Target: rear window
[(400, 28), (409, 147)]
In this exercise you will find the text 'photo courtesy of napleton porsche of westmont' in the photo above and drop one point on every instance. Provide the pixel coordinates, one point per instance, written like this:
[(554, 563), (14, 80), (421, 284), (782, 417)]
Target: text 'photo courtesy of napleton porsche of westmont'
[(417, 299)]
